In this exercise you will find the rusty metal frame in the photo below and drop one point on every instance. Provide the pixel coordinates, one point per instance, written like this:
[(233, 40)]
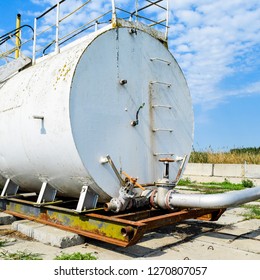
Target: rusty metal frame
[(124, 229)]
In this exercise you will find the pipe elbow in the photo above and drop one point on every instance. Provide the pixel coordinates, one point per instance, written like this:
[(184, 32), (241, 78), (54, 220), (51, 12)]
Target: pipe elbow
[(214, 201)]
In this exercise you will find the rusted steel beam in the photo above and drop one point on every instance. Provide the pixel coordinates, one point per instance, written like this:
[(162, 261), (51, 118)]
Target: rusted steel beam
[(104, 228), (175, 217), (135, 237), (214, 216), (124, 230), (140, 215)]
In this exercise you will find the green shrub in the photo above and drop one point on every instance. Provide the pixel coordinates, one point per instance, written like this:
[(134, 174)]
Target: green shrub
[(247, 183)]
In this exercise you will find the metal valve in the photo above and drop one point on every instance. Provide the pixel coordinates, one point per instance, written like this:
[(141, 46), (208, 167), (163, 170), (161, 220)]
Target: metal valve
[(167, 162)]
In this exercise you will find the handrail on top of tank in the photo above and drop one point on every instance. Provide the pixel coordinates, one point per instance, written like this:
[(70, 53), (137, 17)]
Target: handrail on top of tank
[(135, 14), (8, 37), (56, 25), (132, 15)]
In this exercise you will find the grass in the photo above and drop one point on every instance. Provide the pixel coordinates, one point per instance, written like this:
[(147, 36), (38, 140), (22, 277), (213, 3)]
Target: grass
[(24, 255), (76, 256), (19, 255), (224, 157), (212, 187), (254, 212)]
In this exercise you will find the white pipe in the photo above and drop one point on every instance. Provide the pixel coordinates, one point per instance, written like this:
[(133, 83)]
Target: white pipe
[(164, 198), (212, 201)]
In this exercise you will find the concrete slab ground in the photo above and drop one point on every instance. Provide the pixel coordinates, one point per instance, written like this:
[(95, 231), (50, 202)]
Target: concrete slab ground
[(231, 238)]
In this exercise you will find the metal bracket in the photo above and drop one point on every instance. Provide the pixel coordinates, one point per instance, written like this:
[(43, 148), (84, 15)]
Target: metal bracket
[(47, 194), (136, 121), (161, 83), (10, 188), (160, 59), (87, 200), (41, 118), (108, 159)]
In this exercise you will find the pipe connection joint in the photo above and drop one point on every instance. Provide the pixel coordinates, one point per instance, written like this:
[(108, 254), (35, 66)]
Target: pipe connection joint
[(160, 197), (127, 199)]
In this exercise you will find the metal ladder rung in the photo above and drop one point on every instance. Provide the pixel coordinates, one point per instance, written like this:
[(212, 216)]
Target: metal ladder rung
[(162, 129), (161, 83), (163, 154), (162, 106), (161, 60)]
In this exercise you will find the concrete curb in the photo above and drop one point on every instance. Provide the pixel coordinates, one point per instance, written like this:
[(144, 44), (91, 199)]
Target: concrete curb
[(47, 234), (6, 219)]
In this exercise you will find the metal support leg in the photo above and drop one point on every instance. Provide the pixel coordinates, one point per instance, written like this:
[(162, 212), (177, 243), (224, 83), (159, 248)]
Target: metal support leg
[(10, 188), (87, 200), (47, 193), (181, 168)]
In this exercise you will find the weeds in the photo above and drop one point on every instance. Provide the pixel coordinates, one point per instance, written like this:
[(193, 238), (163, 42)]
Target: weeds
[(184, 182), (24, 255), (19, 255), (226, 185), (247, 183), (2, 242), (254, 212), (76, 256), (199, 157)]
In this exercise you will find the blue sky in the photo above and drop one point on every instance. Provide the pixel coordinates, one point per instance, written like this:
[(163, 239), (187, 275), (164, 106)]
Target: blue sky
[(217, 44)]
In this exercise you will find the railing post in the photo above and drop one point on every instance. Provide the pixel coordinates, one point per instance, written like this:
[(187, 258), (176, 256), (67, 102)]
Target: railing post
[(113, 11), (57, 48), (136, 10), (18, 36), (167, 19), (34, 41)]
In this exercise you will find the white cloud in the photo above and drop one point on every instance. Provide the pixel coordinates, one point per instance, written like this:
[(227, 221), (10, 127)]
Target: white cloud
[(191, 18), (213, 40), (252, 89)]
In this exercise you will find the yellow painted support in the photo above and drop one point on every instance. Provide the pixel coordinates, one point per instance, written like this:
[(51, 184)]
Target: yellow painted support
[(18, 36)]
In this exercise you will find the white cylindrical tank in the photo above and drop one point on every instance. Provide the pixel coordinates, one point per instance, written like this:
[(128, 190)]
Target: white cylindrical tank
[(61, 116)]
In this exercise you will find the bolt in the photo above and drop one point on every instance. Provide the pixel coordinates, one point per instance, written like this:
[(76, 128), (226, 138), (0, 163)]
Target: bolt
[(123, 82)]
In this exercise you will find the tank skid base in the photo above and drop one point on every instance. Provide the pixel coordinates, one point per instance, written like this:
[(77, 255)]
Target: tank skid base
[(124, 229)]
